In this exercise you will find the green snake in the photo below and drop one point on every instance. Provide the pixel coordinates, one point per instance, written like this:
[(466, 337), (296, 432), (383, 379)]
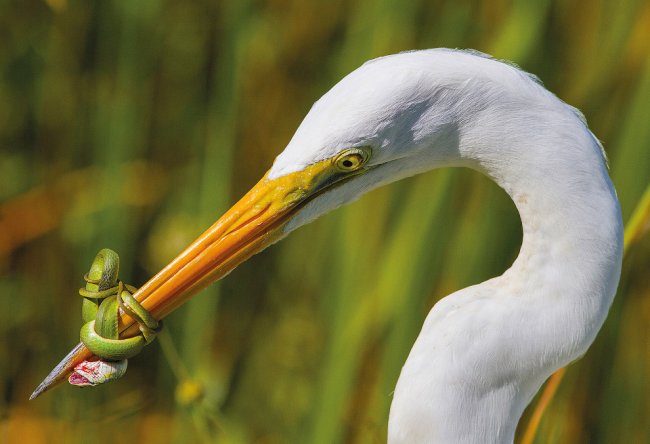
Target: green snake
[(104, 295)]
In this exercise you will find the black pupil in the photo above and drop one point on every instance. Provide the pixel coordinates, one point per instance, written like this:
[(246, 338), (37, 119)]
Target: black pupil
[(348, 163)]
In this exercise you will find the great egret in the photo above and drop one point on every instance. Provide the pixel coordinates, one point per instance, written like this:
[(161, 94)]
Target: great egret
[(483, 351)]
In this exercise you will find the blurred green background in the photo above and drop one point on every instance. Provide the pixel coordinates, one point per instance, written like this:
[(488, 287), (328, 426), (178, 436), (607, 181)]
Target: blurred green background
[(171, 110)]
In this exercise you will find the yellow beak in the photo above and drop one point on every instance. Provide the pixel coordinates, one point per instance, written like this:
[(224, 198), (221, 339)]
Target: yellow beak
[(252, 224)]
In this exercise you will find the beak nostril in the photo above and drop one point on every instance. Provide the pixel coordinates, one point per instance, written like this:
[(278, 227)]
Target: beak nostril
[(295, 196), (248, 221)]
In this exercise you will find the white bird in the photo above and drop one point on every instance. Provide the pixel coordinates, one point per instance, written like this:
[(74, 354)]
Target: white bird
[(484, 351)]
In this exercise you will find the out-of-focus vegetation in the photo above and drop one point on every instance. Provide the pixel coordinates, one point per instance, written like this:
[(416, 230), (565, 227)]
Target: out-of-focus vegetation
[(171, 110)]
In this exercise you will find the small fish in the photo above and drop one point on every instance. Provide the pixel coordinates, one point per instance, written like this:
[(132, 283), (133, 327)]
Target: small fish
[(92, 373)]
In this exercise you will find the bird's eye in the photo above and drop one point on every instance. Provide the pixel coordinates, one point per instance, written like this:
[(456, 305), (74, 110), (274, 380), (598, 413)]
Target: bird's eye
[(351, 159)]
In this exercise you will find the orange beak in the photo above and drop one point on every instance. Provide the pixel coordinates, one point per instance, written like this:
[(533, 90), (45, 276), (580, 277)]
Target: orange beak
[(252, 224)]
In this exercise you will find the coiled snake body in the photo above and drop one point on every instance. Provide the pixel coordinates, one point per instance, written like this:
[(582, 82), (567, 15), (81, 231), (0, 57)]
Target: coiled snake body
[(103, 296)]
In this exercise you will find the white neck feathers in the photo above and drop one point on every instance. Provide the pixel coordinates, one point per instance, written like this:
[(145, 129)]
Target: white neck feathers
[(484, 351)]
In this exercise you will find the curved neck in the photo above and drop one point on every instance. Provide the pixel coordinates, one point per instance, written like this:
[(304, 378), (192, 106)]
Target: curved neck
[(569, 262), (571, 220), (513, 331)]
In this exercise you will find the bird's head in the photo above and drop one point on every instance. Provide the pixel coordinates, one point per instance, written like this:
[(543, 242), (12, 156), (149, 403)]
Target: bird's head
[(391, 118)]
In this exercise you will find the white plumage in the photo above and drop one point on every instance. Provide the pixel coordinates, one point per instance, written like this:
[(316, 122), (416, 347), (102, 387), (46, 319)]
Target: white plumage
[(484, 351)]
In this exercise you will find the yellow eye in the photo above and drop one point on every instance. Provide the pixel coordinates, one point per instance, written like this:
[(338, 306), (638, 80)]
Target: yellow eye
[(351, 159)]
